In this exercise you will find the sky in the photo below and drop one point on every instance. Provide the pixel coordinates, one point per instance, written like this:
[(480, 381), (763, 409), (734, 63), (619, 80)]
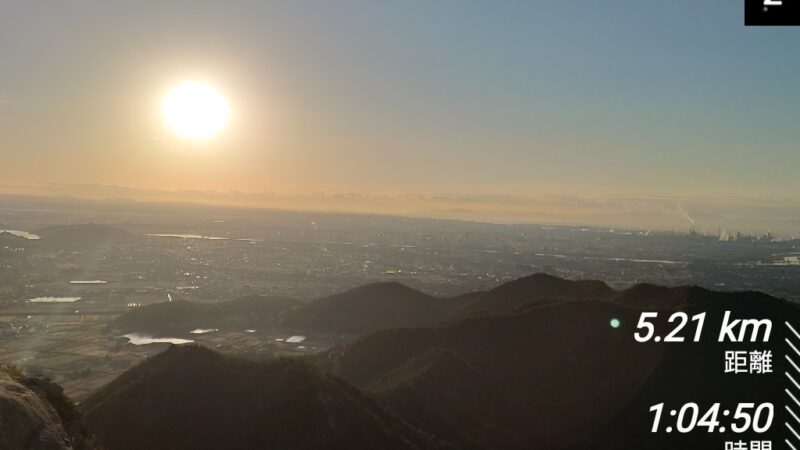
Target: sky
[(498, 101)]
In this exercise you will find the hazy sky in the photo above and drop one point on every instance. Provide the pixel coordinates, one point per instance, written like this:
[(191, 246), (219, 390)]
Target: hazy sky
[(673, 98)]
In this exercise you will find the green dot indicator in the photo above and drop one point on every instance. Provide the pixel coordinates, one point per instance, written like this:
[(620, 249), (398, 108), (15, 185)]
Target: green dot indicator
[(615, 323)]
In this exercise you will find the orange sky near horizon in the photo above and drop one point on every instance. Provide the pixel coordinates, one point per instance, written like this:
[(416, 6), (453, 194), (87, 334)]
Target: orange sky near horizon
[(403, 105)]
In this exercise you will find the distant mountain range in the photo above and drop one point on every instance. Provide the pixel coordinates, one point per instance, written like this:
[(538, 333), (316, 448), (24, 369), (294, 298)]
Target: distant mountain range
[(356, 311), (532, 364), (372, 307), (380, 306)]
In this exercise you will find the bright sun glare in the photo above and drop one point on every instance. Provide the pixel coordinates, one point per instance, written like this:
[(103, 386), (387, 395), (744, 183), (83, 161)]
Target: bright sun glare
[(196, 110)]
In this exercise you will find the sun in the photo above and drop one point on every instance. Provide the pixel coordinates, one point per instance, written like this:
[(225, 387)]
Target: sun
[(196, 110)]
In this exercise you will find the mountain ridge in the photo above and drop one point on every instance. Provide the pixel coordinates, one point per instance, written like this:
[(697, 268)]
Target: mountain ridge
[(369, 307), (190, 397), (552, 369)]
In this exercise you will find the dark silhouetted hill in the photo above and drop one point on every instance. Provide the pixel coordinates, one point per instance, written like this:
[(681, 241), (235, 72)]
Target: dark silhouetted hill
[(546, 372), (534, 379), (554, 374), (439, 390), (182, 316), (370, 307), (189, 397), (35, 415), (509, 296), (694, 372)]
